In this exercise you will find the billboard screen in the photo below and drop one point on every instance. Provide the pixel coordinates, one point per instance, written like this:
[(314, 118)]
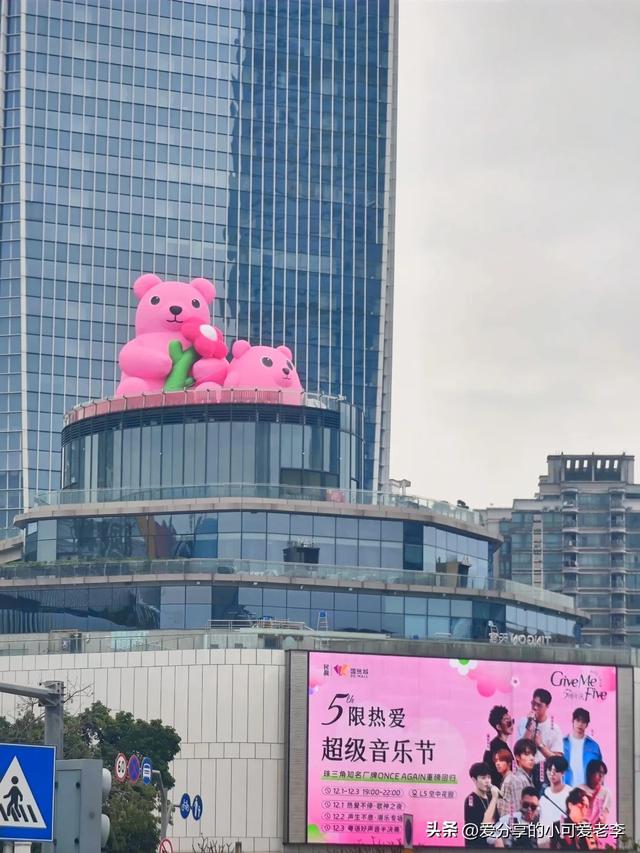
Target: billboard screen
[(392, 741)]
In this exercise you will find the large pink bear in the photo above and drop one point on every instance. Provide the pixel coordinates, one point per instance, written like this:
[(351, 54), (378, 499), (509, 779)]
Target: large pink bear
[(163, 307), (264, 368)]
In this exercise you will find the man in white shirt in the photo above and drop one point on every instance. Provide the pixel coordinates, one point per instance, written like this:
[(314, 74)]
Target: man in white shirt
[(541, 728), (579, 748), (553, 802)]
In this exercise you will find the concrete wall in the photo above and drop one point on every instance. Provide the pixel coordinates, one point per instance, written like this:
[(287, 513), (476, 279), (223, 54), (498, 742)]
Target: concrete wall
[(231, 708), (228, 707)]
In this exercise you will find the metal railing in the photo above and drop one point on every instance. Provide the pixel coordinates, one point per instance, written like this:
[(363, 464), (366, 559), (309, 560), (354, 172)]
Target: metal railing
[(454, 583), (256, 624), (160, 399), (80, 642), (257, 490), (10, 533)]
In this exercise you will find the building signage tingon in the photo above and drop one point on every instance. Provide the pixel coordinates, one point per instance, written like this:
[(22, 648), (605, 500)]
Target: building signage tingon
[(518, 639)]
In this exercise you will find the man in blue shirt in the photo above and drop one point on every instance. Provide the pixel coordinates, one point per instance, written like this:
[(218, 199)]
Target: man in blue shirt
[(579, 749)]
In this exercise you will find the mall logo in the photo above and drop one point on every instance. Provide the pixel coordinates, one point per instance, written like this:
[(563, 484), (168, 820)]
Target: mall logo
[(344, 670)]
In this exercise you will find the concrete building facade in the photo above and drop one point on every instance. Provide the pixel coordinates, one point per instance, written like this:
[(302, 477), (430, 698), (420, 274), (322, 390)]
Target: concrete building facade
[(579, 535), (226, 694)]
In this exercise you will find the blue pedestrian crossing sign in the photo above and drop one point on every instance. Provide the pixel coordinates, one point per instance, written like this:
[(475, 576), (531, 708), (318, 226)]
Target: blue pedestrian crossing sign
[(27, 778), (196, 807)]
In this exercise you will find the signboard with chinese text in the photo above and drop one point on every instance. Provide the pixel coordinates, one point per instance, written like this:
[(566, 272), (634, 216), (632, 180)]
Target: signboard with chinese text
[(390, 736)]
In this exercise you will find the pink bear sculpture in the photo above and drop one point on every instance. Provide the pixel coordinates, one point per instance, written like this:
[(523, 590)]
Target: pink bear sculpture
[(264, 368), (147, 361)]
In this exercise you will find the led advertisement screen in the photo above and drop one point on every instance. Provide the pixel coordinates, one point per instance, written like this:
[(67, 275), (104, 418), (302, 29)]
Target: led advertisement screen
[(405, 744)]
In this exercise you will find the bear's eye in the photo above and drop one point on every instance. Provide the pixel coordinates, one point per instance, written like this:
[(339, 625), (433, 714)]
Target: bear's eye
[(267, 361), (289, 365), (154, 300), (195, 303)]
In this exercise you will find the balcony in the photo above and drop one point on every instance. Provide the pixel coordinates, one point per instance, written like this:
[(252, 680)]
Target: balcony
[(618, 602), (618, 520), (253, 490), (617, 500), (241, 571)]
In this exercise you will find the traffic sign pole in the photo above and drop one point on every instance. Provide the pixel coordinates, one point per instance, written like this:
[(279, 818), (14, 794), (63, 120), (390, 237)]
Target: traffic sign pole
[(51, 697)]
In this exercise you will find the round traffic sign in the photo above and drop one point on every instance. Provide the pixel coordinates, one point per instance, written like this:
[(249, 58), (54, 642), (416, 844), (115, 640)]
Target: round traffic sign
[(147, 769), (165, 846), (133, 769), (185, 806), (120, 767), (196, 807)]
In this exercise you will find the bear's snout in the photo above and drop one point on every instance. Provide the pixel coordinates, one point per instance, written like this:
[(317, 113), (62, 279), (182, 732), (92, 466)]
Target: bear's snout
[(286, 371), (175, 310)]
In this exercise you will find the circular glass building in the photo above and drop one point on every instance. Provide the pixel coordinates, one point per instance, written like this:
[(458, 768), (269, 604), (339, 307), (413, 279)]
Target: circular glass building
[(178, 514)]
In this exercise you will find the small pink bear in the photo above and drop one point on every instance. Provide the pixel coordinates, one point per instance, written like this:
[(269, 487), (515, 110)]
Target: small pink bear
[(264, 368), (163, 307)]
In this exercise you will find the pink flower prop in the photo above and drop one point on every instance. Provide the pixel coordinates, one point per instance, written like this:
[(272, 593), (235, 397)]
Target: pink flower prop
[(608, 680), (489, 679), (207, 340)]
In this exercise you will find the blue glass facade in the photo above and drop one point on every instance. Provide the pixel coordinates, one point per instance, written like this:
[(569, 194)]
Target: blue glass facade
[(178, 606), (10, 314), (245, 141), (345, 541)]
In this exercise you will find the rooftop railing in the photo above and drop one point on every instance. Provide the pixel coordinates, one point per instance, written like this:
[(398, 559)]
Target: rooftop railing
[(222, 396), (273, 570), (10, 533), (255, 636), (214, 491)]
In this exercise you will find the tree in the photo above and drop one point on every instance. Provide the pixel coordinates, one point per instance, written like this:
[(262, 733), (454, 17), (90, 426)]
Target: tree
[(97, 733)]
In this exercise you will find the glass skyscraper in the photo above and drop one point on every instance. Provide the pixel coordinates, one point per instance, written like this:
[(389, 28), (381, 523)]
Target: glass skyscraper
[(249, 141)]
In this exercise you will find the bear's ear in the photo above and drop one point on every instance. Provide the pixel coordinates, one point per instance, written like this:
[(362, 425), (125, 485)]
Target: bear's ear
[(206, 288), (144, 283), (239, 348), (286, 352)]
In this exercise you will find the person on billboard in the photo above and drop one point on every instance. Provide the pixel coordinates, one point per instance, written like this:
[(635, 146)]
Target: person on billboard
[(503, 764), (599, 796), (481, 804), (501, 720), (516, 829), (579, 749), (565, 834), (553, 802), (521, 778), (540, 727)]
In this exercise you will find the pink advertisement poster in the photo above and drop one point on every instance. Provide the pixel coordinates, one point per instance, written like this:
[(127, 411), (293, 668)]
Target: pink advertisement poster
[(391, 737)]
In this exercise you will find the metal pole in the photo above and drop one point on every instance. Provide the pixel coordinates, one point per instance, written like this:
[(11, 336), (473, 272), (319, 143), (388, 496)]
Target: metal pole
[(54, 719), (164, 804), (51, 697)]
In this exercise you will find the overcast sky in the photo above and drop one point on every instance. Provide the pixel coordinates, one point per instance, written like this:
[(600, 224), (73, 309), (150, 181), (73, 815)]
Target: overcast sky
[(517, 296)]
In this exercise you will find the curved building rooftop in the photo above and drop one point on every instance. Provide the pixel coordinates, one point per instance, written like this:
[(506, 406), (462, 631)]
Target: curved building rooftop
[(178, 511)]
